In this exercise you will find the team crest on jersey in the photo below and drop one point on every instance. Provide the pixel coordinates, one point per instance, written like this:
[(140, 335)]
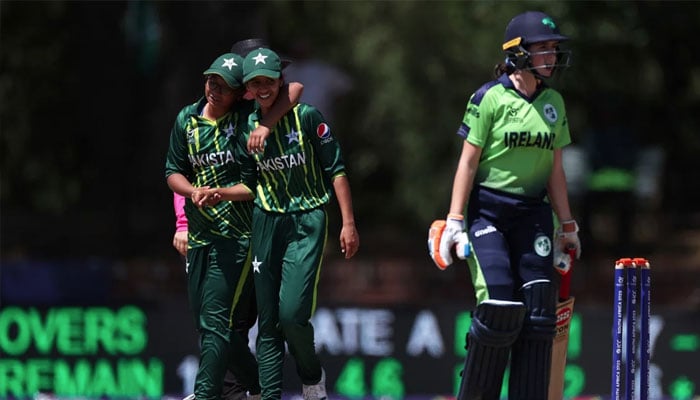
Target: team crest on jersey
[(292, 136), (230, 130), (550, 113), (543, 246)]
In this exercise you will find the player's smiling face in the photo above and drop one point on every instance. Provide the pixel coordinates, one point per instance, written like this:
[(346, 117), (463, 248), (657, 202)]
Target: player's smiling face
[(265, 90), (543, 56), (218, 93)]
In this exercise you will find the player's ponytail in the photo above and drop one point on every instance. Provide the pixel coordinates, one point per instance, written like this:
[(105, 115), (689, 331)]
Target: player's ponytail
[(503, 68)]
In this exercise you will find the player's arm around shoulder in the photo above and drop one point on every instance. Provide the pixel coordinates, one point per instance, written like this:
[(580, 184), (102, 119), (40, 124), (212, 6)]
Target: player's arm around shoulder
[(349, 237), (290, 94)]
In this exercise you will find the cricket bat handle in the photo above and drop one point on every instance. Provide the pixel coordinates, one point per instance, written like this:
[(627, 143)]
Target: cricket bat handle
[(565, 285)]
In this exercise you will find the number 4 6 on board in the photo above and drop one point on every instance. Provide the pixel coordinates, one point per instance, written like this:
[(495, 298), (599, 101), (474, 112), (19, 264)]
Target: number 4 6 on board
[(386, 379)]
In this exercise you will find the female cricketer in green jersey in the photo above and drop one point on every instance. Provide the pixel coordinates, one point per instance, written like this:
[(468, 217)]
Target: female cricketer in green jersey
[(297, 173), (232, 389), (201, 155), (510, 176)]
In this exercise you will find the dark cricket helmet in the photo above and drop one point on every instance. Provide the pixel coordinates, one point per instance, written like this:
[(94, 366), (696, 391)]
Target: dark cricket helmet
[(531, 27), (245, 46), (528, 28)]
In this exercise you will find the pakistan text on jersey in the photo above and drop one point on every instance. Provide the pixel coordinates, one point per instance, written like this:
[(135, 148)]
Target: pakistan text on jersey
[(543, 140), (210, 159), (282, 162)]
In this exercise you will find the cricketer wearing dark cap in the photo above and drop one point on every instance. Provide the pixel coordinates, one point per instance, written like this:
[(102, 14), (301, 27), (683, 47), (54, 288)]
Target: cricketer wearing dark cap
[(297, 176), (229, 67), (263, 63), (245, 46), (531, 27)]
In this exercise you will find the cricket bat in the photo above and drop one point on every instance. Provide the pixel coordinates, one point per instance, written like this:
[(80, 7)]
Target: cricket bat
[(565, 310)]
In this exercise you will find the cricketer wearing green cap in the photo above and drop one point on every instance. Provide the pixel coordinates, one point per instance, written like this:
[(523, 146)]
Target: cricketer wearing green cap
[(262, 62), (298, 172), (228, 66), (219, 281), (200, 156)]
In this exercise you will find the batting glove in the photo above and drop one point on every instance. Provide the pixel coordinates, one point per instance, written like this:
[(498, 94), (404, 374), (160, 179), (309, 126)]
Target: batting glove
[(442, 237), (562, 261), (566, 236), (463, 248)]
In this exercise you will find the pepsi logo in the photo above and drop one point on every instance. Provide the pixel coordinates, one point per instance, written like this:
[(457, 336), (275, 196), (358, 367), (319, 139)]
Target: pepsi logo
[(323, 130), (563, 316)]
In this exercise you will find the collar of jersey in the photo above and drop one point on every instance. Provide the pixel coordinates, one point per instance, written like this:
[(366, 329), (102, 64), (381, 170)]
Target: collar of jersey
[(508, 84)]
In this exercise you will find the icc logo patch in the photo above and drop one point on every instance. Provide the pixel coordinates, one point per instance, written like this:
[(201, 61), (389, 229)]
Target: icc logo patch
[(190, 134), (323, 130)]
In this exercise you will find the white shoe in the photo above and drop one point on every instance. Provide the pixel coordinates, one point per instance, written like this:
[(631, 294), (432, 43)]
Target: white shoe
[(317, 391), (190, 397)]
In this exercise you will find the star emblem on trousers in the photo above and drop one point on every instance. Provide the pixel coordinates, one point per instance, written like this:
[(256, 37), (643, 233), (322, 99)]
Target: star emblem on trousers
[(256, 265)]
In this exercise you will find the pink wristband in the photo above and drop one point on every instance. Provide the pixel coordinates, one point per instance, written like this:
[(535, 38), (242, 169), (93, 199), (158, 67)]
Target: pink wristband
[(180, 217)]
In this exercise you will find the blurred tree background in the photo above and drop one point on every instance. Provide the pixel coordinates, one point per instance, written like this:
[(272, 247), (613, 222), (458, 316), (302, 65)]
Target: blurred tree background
[(89, 91)]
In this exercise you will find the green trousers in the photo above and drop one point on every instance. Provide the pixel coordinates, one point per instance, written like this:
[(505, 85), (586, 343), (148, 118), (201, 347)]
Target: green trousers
[(287, 251), (220, 287)]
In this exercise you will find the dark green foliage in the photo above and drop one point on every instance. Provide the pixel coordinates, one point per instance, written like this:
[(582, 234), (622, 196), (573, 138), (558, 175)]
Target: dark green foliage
[(89, 91)]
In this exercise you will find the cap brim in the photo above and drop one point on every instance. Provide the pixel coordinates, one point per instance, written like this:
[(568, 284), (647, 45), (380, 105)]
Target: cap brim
[(262, 72), (232, 85)]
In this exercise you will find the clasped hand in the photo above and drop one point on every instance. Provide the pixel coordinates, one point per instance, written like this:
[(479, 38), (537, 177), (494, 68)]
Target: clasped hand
[(205, 196)]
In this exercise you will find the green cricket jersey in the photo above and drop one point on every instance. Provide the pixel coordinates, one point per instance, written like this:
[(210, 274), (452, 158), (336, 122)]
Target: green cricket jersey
[(301, 159), (204, 152), (517, 136)]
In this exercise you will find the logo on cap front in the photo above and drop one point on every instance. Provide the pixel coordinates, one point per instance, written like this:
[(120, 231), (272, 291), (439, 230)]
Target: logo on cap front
[(548, 21), (229, 63), (260, 58)]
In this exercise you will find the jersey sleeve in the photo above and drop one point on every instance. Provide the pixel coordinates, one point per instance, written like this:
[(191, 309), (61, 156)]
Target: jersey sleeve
[(325, 144), (477, 120), (245, 160), (176, 159), (563, 137)]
